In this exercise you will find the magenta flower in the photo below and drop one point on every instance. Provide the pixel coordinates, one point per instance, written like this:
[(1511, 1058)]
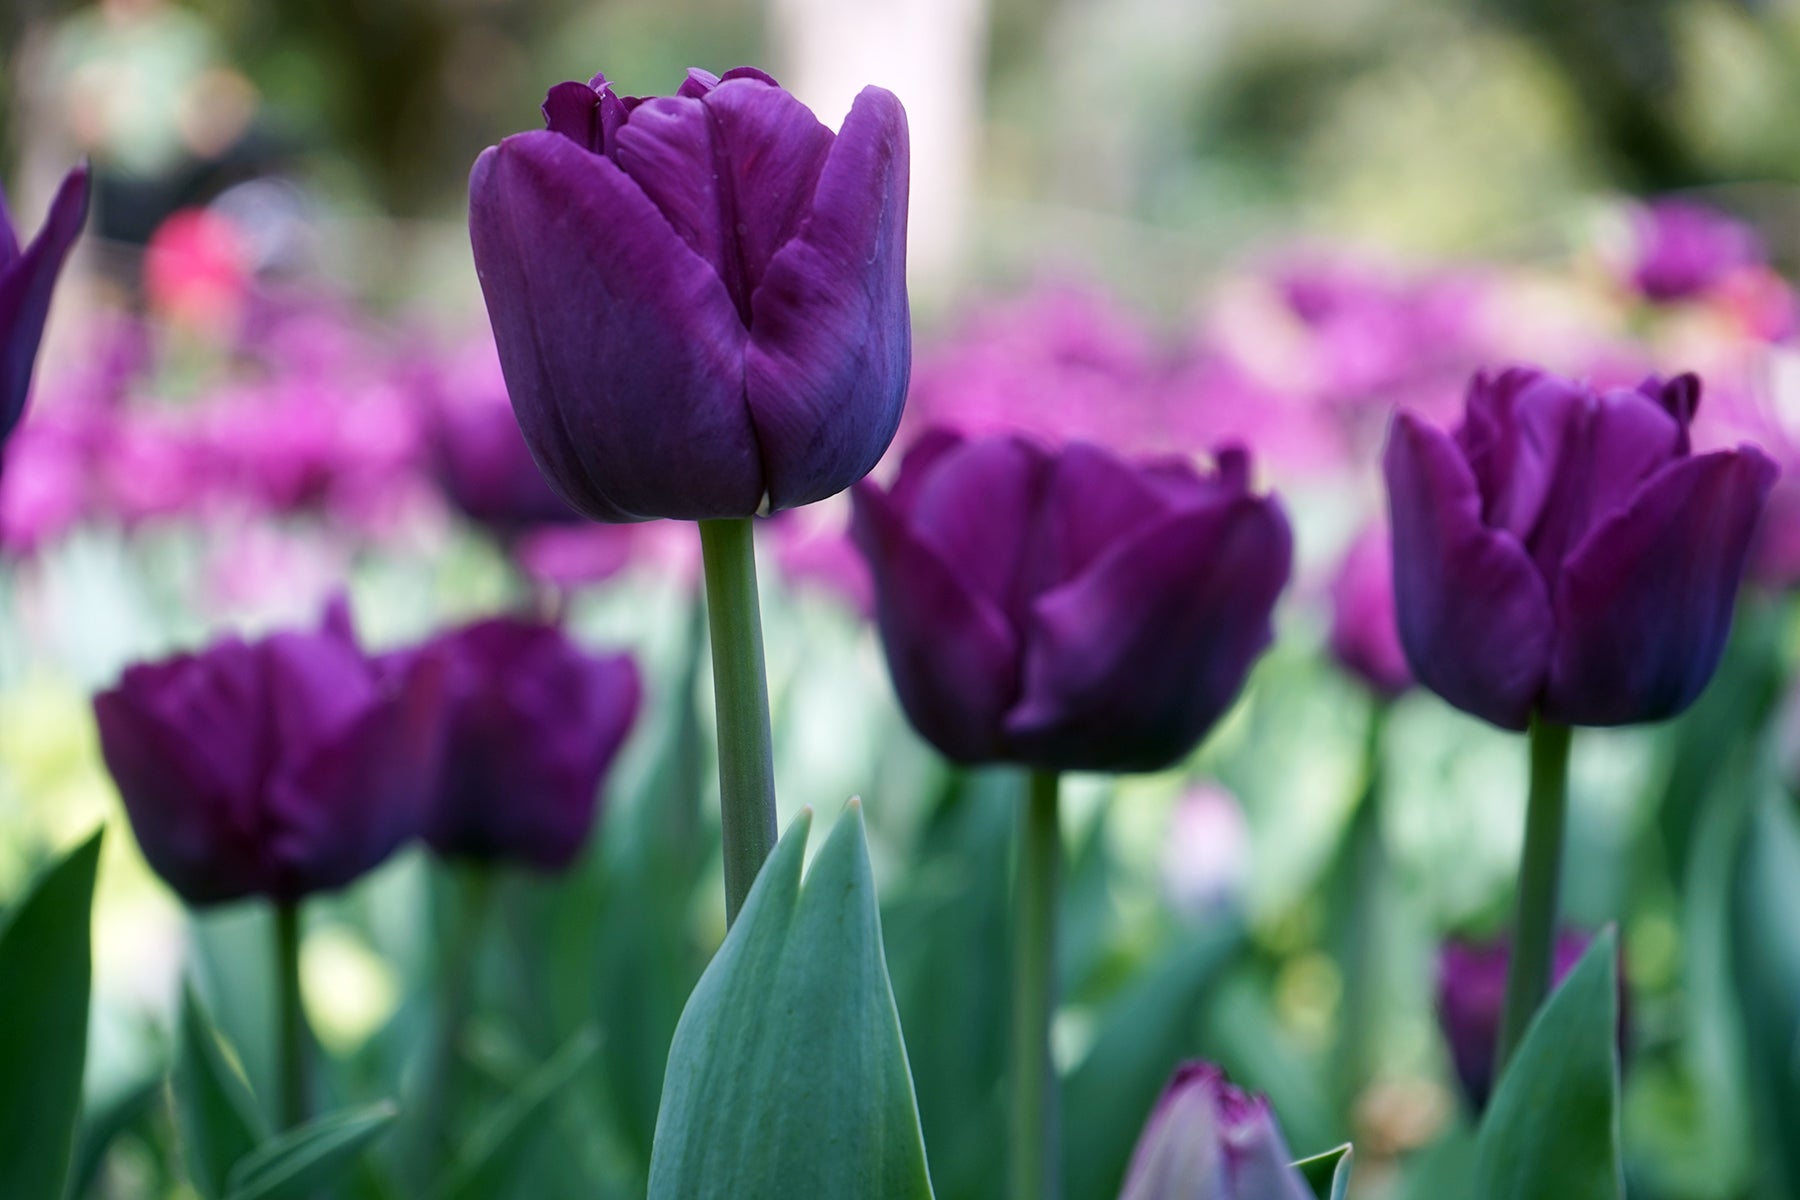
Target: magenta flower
[(1365, 637), (1564, 552), (699, 299), (1206, 1140), (277, 768), (27, 277), (1071, 610), (532, 723), (1683, 249)]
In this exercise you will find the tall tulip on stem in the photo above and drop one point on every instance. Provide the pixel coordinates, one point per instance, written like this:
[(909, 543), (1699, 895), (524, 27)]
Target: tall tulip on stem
[(700, 306)]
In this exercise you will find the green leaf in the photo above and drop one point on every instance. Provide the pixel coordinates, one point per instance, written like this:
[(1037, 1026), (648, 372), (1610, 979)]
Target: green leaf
[(105, 1119), (1142, 1035), (1327, 1174), (481, 1167), (296, 1164), (214, 1108), (788, 1076), (46, 964), (1552, 1128), (1766, 968)]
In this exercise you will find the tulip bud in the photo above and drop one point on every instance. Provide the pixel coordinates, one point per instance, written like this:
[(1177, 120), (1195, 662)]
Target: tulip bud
[(1206, 1140), (27, 277), (1565, 553), (1681, 250), (1072, 610), (1365, 639), (532, 722), (699, 299), (276, 768)]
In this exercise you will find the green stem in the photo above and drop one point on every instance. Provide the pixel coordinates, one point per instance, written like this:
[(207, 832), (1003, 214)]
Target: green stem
[(470, 887), (741, 698), (1364, 874), (290, 1016), (1540, 877), (1035, 1145)]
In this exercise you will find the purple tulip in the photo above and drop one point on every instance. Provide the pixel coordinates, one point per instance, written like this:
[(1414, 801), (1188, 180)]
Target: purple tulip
[(1564, 552), (1682, 250), (1070, 610), (487, 471), (27, 277), (277, 768), (1365, 639), (1471, 995), (699, 299), (532, 723), (1206, 1140)]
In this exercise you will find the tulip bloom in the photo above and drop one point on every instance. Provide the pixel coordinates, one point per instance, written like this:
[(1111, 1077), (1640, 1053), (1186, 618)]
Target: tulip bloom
[(1565, 553), (1365, 639), (27, 277), (532, 723), (1071, 610), (1206, 1140), (277, 768), (1683, 250), (699, 299), (487, 472)]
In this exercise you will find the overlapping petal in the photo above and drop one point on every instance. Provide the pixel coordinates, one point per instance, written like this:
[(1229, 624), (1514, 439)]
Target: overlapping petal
[(27, 279)]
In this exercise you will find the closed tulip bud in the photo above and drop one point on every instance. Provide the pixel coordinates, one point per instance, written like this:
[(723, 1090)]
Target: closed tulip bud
[(1564, 552), (275, 768), (1070, 610), (27, 277), (1206, 1140), (699, 299), (532, 722), (1365, 639)]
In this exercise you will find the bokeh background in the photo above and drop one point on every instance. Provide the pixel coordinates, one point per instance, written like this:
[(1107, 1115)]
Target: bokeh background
[(1158, 223)]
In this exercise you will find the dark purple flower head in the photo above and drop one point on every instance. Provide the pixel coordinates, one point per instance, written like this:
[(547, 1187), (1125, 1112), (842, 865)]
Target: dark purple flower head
[(1365, 639), (27, 277), (1069, 610), (277, 768), (1565, 553), (532, 723), (1206, 1139), (699, 299), (1471, 995), (1681, 250)]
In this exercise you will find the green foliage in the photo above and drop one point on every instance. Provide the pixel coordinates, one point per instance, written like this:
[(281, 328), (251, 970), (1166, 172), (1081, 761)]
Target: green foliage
[(215, 1109), (1328, 1174), (45, 972), (788, 1076), (296, 1164), (1766, 969), (488, 1155), (1552, 1128)]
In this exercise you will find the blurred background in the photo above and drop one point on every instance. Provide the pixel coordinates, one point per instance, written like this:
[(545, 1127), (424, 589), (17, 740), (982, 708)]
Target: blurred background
[(1160, 223)]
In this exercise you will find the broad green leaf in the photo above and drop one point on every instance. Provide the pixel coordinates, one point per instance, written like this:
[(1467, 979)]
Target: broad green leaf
[(788, 1076), (1552, 1128), (214, 1108), (1766, 967), (46, 964), (295, 1165), (1142, 1035), (1328, 1174), (479, 1170)]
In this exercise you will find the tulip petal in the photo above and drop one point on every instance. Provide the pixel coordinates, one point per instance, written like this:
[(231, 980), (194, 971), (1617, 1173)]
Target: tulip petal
[(26, 282), (1512, 439), (972, 504), (621, 349), (1473, 612), (831, 340), (1128, 665), (1093, 495), (1644, 603), (953, 658)]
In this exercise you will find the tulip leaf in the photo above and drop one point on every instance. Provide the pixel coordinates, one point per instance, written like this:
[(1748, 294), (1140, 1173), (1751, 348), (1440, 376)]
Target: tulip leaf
[(1766, 968), (46, 966), (481, 1166), (1142, 1034), (788, 1075), (1327, 1174), (214, 1108), (297, 1164), (105, 1118), (1552, 1128)]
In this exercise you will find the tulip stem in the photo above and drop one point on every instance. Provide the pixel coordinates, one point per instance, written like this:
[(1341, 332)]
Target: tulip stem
[(468, 890), (1540, 878), (1035, 1145), (290, 1016), (1362, 882), (741, 698)]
